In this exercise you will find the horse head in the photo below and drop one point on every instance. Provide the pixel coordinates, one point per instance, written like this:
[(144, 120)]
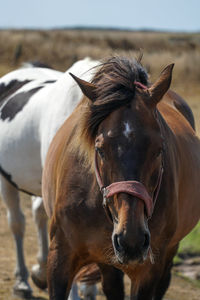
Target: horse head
[(124, 129)]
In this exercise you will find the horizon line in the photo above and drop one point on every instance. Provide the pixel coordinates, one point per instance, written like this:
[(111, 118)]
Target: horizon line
[(102, 28)]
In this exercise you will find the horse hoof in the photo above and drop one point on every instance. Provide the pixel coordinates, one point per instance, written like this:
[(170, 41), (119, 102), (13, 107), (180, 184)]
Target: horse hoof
[(23, 290), (38, 276)]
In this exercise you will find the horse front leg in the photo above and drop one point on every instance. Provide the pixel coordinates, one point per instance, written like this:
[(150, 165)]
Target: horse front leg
[(38, 273), (61, 269), (16, 220), (155, 287), (165, 279), (112, 282), (163, 285), (145, 292), (146, 289)]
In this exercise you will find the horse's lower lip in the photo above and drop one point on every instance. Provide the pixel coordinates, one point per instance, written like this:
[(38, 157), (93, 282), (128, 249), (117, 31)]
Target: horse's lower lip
[(125, 259), (121, 257)]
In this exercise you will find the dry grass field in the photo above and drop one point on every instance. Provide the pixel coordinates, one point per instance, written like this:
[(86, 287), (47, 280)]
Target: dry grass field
[(60, 48)]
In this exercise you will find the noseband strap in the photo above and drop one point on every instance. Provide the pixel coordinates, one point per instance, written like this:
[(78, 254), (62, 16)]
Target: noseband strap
[(131, 187), (134, 188)]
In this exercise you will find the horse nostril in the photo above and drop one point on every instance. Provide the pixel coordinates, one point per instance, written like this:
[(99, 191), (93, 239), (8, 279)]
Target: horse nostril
[(117, 244), (146, 241)]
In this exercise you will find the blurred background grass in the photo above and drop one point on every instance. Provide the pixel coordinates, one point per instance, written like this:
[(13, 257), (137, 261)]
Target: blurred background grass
[(190, 245), (60, 48)]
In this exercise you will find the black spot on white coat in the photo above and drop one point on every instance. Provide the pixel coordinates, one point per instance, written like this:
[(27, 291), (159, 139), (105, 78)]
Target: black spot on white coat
[(49, 81), (6, 90), (16, 104), (8, 177)]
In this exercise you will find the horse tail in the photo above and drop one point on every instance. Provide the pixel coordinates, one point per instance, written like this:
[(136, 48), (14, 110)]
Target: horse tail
[(35, 64)]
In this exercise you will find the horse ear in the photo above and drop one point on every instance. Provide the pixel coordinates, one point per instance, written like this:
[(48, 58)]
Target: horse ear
[(162, 84), (88, 89)]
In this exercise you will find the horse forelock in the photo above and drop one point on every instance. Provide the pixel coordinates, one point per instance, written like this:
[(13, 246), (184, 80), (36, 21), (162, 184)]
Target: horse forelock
[(114, 81), (115, 87)]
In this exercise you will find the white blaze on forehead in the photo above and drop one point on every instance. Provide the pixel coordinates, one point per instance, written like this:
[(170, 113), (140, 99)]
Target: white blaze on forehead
[(127, 131)]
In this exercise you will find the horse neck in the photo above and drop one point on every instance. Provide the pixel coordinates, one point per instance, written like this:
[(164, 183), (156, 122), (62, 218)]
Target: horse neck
[(67, 94), (59, 104)]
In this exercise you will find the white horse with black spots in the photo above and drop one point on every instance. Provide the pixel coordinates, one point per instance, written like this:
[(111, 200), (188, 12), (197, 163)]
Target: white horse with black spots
[(34, 102)]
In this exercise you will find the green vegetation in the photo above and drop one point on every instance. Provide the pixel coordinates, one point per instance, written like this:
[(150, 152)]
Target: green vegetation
[(190, 245)]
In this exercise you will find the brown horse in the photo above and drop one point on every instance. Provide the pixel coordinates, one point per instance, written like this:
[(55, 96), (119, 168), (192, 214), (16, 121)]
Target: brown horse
[(136, 145)]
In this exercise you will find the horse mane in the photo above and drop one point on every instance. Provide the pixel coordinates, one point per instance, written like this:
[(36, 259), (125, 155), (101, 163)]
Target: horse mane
[(114, 81)]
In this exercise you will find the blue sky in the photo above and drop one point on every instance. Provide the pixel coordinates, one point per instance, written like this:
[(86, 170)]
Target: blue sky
[(175, 15)]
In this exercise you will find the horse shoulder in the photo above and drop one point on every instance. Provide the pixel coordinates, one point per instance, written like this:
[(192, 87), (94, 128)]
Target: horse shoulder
[(54, 165), (184, 146)]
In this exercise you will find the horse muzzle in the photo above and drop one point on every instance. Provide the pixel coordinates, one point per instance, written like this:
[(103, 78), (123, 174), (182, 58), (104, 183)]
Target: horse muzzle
[(131, 249), (131, 244)]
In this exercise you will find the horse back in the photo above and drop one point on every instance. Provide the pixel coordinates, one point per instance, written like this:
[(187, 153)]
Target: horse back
[(181, 105)]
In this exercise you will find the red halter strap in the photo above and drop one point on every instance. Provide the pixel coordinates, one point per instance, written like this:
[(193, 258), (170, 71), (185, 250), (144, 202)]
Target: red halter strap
[(140, 85), (131, 187), (134, 188)]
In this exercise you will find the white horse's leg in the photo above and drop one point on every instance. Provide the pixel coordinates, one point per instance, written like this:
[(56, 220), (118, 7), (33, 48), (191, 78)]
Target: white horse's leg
[(39, 270), (74, 293), (88, 292), (16, 222)]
